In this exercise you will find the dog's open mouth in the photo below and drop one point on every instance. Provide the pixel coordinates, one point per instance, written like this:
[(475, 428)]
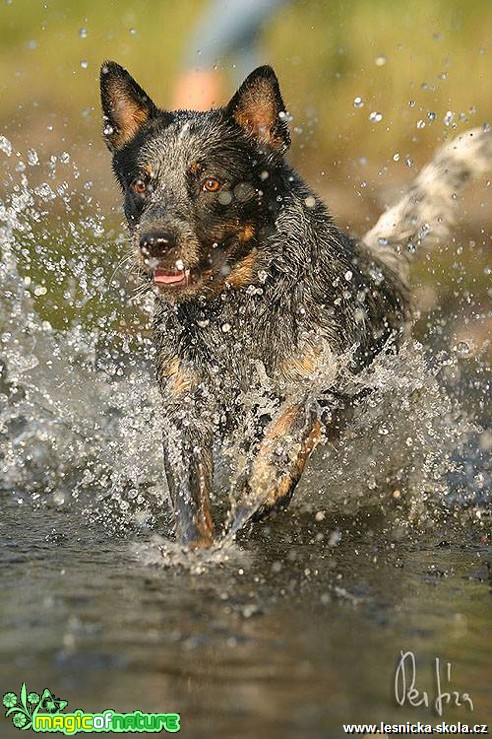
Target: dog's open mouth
[(179, 280), (169, 278)]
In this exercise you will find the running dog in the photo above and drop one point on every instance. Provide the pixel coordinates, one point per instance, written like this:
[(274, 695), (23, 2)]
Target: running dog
[(264, 310)]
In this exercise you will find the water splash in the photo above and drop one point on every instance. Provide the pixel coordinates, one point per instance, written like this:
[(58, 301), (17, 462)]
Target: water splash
[(71, 419), (79, 410), (400, 445)]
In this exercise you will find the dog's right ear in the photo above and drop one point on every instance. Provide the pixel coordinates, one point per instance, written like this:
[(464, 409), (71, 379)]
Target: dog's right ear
[(259, 109), (126, 107)]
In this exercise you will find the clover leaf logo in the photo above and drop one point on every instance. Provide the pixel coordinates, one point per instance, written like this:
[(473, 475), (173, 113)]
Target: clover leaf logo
[(24, 708)]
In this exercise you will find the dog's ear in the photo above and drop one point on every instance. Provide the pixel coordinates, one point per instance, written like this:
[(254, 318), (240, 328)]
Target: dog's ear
[(259, 109), (125, 105)]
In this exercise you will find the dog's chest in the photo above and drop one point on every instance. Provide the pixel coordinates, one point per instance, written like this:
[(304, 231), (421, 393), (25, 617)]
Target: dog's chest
[(231, 356)]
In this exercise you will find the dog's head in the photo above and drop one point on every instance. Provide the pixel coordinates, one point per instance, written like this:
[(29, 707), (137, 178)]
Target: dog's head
[(201, 190)]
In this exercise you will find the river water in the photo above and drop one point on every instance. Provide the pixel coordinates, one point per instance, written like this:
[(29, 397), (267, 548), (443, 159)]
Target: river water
[(295, 628)]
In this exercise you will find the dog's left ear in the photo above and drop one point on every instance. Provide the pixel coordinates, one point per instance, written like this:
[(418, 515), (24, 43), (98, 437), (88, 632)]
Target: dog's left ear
[(126, 107), (259, 109)]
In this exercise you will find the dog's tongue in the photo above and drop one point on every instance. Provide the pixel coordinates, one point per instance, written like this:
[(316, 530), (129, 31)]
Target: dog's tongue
[(162, 277)]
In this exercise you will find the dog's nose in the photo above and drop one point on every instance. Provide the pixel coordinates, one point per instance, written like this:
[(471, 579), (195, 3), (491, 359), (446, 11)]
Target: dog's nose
[(156, 243)]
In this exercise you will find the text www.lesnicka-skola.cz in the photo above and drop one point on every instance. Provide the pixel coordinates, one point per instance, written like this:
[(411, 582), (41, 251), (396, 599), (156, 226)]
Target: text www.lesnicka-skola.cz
[(416, 728)]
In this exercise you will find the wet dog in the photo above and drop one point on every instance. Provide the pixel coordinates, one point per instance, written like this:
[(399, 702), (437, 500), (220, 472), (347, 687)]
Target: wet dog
[(265, 312)]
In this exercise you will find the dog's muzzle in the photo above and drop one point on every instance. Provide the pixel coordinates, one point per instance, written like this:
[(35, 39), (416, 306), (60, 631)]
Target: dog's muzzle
[(156, 247)]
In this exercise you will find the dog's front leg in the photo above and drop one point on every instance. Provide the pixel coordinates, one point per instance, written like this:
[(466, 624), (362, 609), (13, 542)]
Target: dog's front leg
[(188, 465), (287, 443), (188, 450)]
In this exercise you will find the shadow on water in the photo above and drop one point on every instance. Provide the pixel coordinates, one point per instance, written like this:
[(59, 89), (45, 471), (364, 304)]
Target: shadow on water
[(292, 630)]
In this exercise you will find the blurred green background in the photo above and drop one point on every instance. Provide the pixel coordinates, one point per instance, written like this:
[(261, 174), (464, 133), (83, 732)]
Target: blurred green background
[(424, 66)]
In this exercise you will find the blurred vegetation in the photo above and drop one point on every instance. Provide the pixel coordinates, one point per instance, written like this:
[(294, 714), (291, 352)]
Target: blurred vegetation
[(411, 62)]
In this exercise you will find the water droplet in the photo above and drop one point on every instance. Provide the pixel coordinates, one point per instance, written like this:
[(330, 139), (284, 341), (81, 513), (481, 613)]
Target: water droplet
[(424, 231), (5, 146), (375, 117), (224, 197), (380, 61), (462, 348), (133, 31), (310, 201), (396, 157), (244, 191), (448, 118), (226, 327), (83, 32), (358, 102), (420, 124), (335, 538), (285, 116), (32, 157), (84, 63), (348, 275)]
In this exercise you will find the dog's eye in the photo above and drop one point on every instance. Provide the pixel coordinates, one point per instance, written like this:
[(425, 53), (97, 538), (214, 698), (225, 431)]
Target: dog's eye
[(139, 186), (211, 185)]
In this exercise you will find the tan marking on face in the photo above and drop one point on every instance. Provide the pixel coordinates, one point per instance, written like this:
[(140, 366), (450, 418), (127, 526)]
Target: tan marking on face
[(243, 272), (247, 233), (195, 167)]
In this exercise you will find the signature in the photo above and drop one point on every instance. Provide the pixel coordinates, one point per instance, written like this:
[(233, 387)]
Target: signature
[(406, 690)]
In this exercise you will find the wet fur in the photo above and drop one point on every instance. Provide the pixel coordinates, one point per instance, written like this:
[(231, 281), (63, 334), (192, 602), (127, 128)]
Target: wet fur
[(279, 311)]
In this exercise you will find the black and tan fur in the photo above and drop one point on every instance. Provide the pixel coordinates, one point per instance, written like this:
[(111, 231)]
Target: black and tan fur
[(264, 309)]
